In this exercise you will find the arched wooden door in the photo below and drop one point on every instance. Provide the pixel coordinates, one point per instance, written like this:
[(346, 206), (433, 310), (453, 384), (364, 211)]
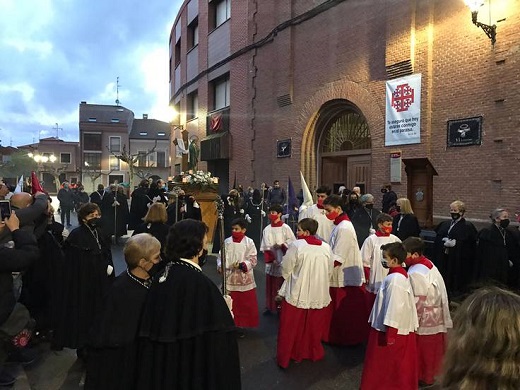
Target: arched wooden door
[(344, 146)]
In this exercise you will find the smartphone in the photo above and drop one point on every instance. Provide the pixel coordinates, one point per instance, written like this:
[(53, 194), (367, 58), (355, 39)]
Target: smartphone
[(5, 209)]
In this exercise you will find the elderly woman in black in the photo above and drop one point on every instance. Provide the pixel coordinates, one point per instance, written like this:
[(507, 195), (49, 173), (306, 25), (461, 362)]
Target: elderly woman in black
[(88, 272), (187, 333)]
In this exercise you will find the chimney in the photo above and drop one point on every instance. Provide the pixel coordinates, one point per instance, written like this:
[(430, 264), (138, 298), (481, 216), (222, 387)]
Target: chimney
[(145, 116), (83, 102)]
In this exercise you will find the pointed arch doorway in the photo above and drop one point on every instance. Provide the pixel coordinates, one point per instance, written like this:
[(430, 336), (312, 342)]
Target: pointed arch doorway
[(344, 147)]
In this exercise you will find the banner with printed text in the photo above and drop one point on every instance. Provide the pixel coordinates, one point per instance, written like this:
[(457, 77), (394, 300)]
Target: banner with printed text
[(403, 111)]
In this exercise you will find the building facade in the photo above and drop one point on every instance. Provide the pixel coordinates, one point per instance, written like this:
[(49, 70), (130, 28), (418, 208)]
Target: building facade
[(274, 88)]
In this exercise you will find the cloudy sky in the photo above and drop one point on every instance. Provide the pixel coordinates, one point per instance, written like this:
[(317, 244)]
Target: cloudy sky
[(56, 53)]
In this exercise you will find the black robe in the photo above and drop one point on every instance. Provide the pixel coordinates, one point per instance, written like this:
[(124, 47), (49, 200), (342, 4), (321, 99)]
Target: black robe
[(258, 222), (112, 359), (495, 247), (457, 264), (157, 229), (363, 220), (408, 227), (187, 337), (138, 207), (85, 283), (114, 218)]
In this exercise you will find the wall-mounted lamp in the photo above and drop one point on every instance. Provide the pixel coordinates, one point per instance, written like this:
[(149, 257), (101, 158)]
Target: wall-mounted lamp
[(491, 31)]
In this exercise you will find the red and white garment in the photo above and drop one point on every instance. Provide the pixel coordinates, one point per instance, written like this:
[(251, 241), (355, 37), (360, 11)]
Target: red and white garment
[(317, 213)]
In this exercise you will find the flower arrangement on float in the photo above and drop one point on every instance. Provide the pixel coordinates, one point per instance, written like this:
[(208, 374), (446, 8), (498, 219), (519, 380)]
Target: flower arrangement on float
[(198, 181)]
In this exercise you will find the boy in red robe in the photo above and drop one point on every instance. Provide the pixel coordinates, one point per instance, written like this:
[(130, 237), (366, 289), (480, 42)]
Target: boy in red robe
[(275, 240), (306, 268), (431, 300), (391, 354)]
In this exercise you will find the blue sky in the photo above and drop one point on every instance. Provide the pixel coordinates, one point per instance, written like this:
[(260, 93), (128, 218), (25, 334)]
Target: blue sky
[(56, 53)]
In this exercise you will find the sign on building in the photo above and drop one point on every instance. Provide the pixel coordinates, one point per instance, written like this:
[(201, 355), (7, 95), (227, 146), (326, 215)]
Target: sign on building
[(403, 111)]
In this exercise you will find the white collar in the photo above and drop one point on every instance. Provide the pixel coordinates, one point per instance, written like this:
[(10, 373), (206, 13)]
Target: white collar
[(191, 262)]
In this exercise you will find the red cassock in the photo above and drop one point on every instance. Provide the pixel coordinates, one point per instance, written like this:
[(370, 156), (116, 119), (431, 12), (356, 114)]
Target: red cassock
[(430, 352), (299, 334), (390, 367), (245, 308), (272, 285), (347, 316)]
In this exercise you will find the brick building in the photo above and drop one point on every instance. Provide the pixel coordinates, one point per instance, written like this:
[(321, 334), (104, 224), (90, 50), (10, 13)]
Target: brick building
[(274, 87)]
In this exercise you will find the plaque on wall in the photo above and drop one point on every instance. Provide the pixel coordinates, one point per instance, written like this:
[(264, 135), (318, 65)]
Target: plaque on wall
[(465, 132), (283, 148)]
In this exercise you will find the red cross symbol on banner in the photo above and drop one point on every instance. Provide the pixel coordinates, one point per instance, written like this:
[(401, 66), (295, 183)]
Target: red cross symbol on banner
[(402, 97)]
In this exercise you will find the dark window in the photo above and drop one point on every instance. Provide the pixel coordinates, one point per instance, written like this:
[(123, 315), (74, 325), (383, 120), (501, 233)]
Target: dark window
[(161, 159), (193, 34), (65, 158), (141, 159), (178, 53), (192, 105), (115, 144), (219, 12), (92, 160), (221, 92), (91, 141)]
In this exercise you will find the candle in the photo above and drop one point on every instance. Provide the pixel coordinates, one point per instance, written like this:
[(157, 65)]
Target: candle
[(215, 180)]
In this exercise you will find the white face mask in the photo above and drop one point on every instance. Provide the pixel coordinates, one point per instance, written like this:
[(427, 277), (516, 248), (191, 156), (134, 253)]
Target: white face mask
[(384, 263)]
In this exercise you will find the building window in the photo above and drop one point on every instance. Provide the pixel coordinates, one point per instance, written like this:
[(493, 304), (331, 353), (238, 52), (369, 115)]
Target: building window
[(114, 120), (192, 105), (115, 163), (141, 158), (92, 141), (115, 179), (178, 53), (221, 93), (219, 12), (92, 160), (92, 119), (161, 133), (193, 34), (115, 144), (143, 133), (64, 158), (161, 159)]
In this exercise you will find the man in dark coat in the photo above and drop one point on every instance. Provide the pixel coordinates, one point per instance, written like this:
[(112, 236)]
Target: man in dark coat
[(139, 204), (276, 195), (389, 198), (66, 198), (114, 213), (455, 245), (364, 218), (97, 196)]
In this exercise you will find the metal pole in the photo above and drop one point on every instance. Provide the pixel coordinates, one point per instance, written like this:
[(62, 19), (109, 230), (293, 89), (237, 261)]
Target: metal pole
[(261, 216), (219, 203)]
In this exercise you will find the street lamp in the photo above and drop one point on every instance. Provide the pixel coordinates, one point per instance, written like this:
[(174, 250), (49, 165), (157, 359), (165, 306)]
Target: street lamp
[(474, 6)]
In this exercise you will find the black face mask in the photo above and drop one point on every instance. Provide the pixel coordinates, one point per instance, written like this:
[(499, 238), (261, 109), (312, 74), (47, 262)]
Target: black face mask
[(181, 197), (203, 258), (383, 190), (155, 269), (504, 223), (369, 206), (398, 208), (93, 222), (455, 216)]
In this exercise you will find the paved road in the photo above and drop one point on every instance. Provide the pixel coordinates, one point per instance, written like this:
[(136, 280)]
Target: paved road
[(341, 368)]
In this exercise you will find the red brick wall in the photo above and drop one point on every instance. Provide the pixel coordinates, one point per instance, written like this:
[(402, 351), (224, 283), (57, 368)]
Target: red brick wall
[(341, 54)]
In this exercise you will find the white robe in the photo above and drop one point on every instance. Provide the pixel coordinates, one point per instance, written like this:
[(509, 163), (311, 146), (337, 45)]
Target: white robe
[(372, 255), (325, 225), (431, 300), (395, 306), (343, 241), (236, 253), (306, 269), (272, 236)]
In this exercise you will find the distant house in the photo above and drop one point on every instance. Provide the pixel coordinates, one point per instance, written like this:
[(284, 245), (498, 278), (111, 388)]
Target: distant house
[(148, 134)]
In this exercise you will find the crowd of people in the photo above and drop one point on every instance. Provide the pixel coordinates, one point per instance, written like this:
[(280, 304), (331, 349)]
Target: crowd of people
[(348, 274)]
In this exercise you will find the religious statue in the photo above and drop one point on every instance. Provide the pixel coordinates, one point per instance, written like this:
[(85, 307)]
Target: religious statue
[(193, 154)]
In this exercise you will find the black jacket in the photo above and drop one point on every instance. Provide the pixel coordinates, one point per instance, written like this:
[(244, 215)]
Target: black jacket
[(16, 259)]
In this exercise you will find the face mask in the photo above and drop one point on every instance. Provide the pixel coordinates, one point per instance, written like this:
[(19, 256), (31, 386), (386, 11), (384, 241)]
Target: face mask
[(386, 229), (320, 201), (353, 200), (93, 222), (455, 216), (383, 190), (398, 208), (203, 258), (332, 215), (273, 217), (504, 223), (181, 197), (238, 235), (369, 206), (155, 268), (384, 263)]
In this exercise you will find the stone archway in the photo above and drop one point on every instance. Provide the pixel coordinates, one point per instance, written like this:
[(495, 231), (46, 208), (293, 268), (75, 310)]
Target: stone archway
[(341, 93)]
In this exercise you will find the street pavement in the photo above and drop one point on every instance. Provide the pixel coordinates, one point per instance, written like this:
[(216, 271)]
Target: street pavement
[(341, 368)]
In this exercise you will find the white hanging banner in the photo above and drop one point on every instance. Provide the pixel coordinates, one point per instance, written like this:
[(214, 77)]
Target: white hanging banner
[(403, 111)]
